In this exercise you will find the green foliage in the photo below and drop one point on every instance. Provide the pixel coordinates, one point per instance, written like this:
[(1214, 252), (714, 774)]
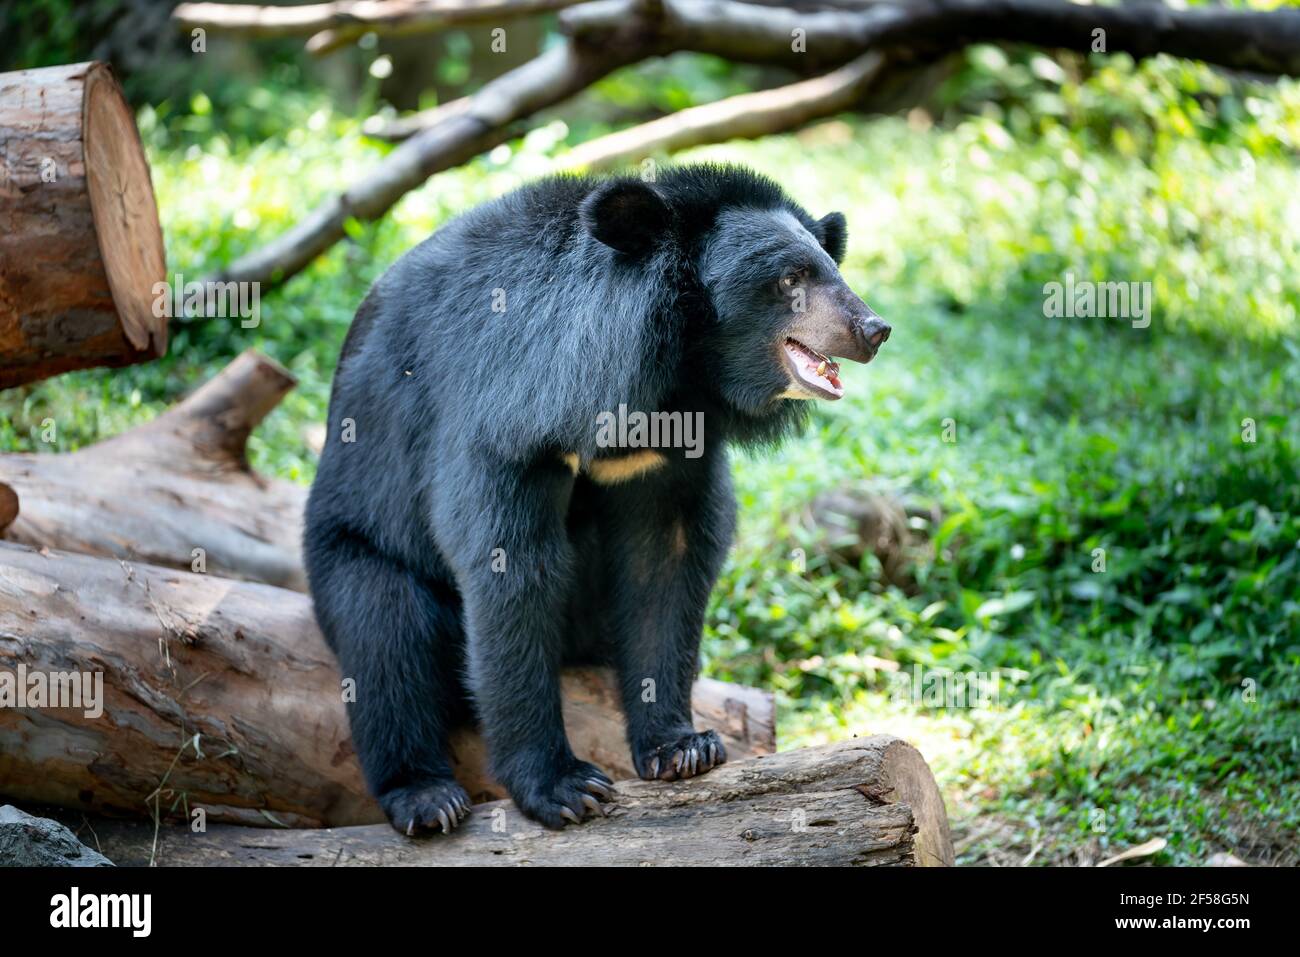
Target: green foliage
[(49, 32), (1113, 103), (1159, 697)]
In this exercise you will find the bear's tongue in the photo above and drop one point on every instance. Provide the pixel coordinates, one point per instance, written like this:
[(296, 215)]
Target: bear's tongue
[(815, 369)]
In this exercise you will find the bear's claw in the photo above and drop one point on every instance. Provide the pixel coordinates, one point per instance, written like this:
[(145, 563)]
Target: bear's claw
[(602, 788), (572, 797), (433, 806), (689, 755)]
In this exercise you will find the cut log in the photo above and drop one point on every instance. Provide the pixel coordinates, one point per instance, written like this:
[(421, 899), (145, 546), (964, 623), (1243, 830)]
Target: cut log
[(865, 802), (80, 245), (175, 485), (8, 507), (244, 668)]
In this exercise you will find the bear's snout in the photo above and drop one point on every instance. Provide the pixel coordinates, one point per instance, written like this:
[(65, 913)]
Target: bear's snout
[(844, 326)]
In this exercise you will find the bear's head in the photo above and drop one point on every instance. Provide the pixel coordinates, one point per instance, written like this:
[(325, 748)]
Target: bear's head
[(779, 312)]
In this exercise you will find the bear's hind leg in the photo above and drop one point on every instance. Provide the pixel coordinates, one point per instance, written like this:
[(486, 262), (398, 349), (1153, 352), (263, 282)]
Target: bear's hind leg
[(398, 637)]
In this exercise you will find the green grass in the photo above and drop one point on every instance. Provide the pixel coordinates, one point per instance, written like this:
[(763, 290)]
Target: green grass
[(1159, 698)]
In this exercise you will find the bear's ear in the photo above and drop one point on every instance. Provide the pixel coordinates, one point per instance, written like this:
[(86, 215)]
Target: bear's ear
[(833, 234), (626, 215)]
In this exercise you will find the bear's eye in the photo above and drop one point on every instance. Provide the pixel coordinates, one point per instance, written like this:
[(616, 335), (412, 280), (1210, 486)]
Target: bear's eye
[(793, 279)]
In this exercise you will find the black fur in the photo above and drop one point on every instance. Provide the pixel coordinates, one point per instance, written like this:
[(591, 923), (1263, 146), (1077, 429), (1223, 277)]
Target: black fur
[(656, 296)]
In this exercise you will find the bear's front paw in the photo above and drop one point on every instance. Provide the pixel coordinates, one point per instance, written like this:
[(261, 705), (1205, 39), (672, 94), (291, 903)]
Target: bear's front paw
[(440, 804), (691, 754), (564, 797)]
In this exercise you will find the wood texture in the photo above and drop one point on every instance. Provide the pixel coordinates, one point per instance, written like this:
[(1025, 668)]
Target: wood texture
[(865, 802), (244, 667), (80, 244)]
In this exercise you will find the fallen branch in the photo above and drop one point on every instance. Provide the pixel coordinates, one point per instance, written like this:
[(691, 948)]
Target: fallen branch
[(1263, 41), (866, 802), (180, 483), (896, 84), (222, 695), (404, 127)]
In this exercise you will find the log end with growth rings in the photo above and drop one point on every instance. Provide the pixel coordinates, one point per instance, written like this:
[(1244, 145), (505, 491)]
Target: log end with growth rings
[(8, 507), (81, 249), (125, 211)]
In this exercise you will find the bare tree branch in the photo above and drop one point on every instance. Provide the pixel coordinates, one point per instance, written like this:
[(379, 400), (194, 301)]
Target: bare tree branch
[(485, 122), (340, 22), (747, 116), (1264, 41), (404, 127)]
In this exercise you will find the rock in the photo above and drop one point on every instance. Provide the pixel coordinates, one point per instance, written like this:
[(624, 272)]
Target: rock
[(27, 841), (1224, 859), (850, 523)]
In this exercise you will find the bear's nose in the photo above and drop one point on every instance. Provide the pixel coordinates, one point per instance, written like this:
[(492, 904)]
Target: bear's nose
[(877, 332)]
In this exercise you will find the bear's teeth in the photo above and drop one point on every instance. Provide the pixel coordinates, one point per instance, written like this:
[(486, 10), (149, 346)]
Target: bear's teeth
[(815, 369)]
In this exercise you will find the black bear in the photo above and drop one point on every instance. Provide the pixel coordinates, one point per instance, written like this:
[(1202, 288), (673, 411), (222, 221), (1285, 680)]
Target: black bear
[(526, 466)]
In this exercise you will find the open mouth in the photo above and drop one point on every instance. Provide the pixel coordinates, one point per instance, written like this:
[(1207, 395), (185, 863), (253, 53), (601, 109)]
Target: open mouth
[(812, 370)]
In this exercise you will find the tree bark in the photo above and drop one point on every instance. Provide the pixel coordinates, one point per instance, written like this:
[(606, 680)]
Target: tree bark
[(180, 483), (1267, 41), (866, 802), (243, 667), (80, 244)]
